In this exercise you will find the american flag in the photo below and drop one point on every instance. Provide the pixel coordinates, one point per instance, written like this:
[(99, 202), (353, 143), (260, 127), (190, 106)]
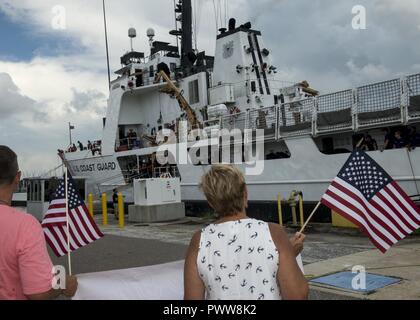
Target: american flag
[(82, 228), (367, 196)]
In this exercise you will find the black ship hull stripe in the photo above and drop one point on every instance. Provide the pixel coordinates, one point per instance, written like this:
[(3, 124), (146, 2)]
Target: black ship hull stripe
[(254, 58), (267, 86)]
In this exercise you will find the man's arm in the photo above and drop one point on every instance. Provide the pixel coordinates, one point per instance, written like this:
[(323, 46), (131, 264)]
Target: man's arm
[(35, 266), (70, 291), (293, 284), (193, 285)]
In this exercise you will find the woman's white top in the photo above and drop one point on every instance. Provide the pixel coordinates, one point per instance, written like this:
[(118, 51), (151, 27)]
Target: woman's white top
[(238, 260)]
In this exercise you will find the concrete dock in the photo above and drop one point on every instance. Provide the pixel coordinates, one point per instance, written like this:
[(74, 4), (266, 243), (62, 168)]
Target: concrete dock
[(326, 251)]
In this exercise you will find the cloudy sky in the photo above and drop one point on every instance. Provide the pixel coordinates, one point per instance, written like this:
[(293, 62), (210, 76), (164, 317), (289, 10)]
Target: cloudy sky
[(53, 71)]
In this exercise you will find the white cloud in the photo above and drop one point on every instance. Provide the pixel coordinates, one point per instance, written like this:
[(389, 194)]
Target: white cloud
[(310, 40)]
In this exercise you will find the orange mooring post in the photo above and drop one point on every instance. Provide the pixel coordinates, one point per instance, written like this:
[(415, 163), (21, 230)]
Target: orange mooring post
[(121, 213), (90, 204), (104, 210)]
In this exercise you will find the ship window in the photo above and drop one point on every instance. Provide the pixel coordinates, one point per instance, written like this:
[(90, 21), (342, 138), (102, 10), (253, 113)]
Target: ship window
[(173, 66), (151, 71), (194, 92)]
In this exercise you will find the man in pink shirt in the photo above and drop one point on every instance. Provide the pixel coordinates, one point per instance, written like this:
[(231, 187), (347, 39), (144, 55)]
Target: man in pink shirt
[(26, 270)]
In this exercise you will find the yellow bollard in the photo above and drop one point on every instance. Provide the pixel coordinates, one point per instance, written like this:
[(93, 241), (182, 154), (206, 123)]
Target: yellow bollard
[(90, 204), (121, 210), (279, 209), (302, 217), (104, 210)]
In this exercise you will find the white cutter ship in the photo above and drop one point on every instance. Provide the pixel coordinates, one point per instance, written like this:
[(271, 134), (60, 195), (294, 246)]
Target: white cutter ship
[(307, 136)]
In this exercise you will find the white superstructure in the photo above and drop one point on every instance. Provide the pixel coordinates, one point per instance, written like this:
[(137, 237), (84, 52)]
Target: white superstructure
[(307, 136)]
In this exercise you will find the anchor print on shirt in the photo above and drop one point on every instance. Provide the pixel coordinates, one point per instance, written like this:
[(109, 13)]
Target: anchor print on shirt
[(229, 273), (233, 240)]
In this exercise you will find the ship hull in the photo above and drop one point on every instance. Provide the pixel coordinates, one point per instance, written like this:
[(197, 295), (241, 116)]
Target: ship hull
[(307, 170)]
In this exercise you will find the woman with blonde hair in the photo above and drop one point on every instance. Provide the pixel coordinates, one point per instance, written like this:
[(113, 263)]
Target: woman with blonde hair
[(238, 258)]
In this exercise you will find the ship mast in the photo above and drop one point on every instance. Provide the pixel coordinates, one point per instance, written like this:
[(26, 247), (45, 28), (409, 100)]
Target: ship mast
[(184, 11)]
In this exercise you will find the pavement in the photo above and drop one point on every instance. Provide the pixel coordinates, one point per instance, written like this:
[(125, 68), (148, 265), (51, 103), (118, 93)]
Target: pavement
[(327, 250)]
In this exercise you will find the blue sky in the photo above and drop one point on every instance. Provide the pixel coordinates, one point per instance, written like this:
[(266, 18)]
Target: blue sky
[(22, 41), (18, 42)]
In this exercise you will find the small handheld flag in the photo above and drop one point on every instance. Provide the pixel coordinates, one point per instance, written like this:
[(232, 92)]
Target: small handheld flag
[(367, 196), (79, 224)]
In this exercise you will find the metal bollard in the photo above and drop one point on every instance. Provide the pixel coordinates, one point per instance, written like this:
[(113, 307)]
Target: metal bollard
[(121, 213), (104, 210), (280, 209), (90, 204)]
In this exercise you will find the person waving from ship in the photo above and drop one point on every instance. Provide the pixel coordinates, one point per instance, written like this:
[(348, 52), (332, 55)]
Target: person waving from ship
[(115, 202), (239, 258)]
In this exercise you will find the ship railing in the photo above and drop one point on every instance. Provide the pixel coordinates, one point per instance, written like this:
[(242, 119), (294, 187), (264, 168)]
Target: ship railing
[(168, 171), (296, 118), (380, 103), (266, 119), (234, 121), (413, 97), (334, 112), (393, 102)]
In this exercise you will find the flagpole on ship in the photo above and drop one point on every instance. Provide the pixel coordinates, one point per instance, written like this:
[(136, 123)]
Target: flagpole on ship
[(106, 44), (68, 220)]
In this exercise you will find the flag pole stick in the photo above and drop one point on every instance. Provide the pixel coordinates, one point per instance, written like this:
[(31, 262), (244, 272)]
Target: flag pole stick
[(360, 142), (310, 217), (67, 217)]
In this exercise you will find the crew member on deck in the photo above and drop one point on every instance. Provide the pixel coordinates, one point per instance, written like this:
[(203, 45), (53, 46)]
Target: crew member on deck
[(399, 141), (81, 147), (115, 202)]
